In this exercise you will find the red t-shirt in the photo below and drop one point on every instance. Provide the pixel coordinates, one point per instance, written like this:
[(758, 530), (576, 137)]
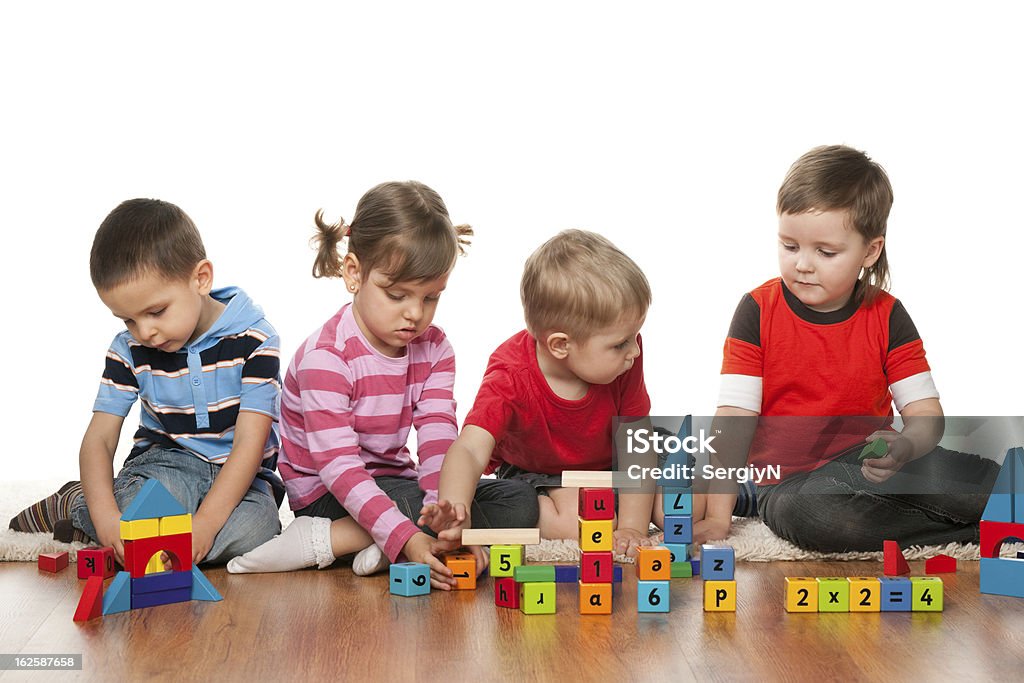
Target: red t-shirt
[(539, 431)]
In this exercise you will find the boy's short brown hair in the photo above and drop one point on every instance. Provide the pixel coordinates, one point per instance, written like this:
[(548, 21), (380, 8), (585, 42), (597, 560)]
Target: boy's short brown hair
[(579, 282), (144, 236)]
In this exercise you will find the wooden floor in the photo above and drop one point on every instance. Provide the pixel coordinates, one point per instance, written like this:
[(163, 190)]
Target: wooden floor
[(330, 624)]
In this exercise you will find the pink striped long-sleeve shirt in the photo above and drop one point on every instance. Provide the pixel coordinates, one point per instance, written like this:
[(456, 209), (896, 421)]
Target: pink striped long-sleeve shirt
[(346, 414)]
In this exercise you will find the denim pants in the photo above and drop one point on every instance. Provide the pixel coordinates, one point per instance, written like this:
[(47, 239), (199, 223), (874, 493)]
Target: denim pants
[(936, 499), (253, 522)]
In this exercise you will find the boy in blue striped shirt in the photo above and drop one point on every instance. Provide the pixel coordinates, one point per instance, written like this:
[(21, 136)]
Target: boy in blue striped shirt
[(205, 365)]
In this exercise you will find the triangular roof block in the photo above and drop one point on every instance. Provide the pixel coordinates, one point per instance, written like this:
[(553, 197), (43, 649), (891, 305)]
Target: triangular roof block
[(118, 597), (153, 501), (1000, 506), (202, 589)]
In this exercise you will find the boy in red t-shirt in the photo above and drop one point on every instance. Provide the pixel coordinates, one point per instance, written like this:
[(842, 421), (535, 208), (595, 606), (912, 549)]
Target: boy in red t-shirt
[(551, 393)]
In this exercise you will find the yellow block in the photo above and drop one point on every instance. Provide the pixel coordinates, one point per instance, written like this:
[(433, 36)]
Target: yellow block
[(139, 528), (719, 596), (595, 535), (155, 565), (178, 524), (801, 594), (865, 594)]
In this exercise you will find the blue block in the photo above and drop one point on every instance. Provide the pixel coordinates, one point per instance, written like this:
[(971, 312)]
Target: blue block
[(566, 573), (896, 593), (202, 589), (1020, 555), (1002, 576), (677, 501), (163, 581), (617, 574), (153, 500), (1001, 502), (680, 551), (1018, 486), (161, 598), (652, 596), (409, 579), (678, 529), (695, 563), (118, 598), (718, 563)]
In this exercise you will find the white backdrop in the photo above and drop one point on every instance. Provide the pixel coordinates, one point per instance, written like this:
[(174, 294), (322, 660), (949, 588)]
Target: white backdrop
[(664, 126)]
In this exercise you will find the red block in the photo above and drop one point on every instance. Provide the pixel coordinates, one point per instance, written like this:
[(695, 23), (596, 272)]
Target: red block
[(994, 533), (940, 564), (596, 567), (91, 604), (894, 562), (53, 562), (96, 562), (506, 592), (138, 552), (597, 504)]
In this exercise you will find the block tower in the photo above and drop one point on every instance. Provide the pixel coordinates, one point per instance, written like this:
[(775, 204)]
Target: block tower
[(677, 504), (1003, 519), (597, 566)]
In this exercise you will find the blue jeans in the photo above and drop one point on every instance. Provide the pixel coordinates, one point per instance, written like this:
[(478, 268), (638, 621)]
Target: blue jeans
[(253, 522), (933, 500)]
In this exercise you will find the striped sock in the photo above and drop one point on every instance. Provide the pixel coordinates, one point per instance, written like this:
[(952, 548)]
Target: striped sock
[(43, 515)]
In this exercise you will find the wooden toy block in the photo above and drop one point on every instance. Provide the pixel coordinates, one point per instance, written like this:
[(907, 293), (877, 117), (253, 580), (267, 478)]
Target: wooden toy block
[(653, 596), (1002, 576), (719, 596), (681, 570), (596, 567), (161, 598), (567, 573), (595, 535), (1020, 554), (90, 605), (537, 598), (118, 597), (176, 524), (893, 561), (940, 564), (896, 593), (500, 536), (680, 552), (1018, 486), (1002, 502), (138, 553), (53, 562), (463, 566), (409, 579), (677, 501), (595, 598), (139, 528), (152, 501), (865, 594), (833, 594), (678, 529), (534, 573), (505, 558), (587, 479), (596, 504), (164, 581), (653, 563), (717, 562), (801, 594), (926, 594), (874, 450), (506, 592), (96, 562), (994, 533), (202, 589), (156, 564)]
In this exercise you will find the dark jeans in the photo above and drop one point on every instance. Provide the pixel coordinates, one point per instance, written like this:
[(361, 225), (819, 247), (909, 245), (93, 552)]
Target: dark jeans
[(498, 504), (933, 500)]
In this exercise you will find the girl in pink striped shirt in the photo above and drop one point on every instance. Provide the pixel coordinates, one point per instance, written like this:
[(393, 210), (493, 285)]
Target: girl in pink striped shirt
[(359, 384)]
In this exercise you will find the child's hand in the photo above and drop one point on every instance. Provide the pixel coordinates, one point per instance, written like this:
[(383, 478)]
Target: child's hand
[(109, 531), (626, 541), (422, 548), (711, 529), (447, 520), (203, 535), (901, 451)]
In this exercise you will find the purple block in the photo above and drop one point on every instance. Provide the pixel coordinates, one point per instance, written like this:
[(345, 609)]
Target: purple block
[(162, 597), (695, 563), (617, 574), (164, 581), (566, 573)]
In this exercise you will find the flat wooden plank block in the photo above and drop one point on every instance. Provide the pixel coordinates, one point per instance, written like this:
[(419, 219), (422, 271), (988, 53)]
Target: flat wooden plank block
[(500, 536)]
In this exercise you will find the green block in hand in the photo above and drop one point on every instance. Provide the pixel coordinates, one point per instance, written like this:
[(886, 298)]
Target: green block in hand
[(876, 449)]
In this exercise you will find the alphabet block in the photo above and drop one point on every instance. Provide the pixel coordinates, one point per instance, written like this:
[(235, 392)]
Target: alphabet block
[(652, 596), (506, 592), (801, 594), (596, 567), (537, 598), (463, 566), (680, 552), (595, 598), (717, 562), (96, 562), (896, 594), (926, 594), (678, 529), (595, 535), (677, 501), (53, 562), (410, 579), (865, 594), (833, 594), (596, 504), (719, 596), (505, 558), (653, 563)]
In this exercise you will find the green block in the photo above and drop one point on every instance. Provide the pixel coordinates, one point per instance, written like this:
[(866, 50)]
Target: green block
[(833, 594), (537, 598), (926, 594), (534, 573), (682, 570), (505, 558), (876, 449)]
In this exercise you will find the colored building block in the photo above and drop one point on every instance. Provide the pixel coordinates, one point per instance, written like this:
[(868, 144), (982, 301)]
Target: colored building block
[(409, 579), (595, 598), (96, 562), (506, 592), (567, 573), (719, 596), (678, 529), (118, 597), (175, 524), (653, 596), (833, 594), (926, 594), (529, 536), (463, 566), (53, 562), (593, 479), (677, 501), (1002, 502), (139, 528), (993, 534), (1002, 576), (596, 567), (202, 589), (596, 504), (161, 598), (534, 573), (90, 605), (695, 563), (163, 581), (595, 535), (865, 594), (717, 562), (940, 564), (138, 553), (894, 562), (1018, 486), (874, 450), (152, 501), (801, 594), (505, 558), (1020, 554), (653, 563), (896, 593), (681, 570), (680, 552), (156, 564), (537, 598)]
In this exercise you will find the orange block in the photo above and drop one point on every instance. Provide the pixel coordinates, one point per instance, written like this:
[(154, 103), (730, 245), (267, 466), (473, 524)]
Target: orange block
[(653, 564), (595, 598), (463, 566)]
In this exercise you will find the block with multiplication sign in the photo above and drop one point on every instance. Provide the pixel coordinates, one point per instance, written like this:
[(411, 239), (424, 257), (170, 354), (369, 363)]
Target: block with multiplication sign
[(506, 592), (463, 566), (595, 598), (801, 594), (677, 501), (597, 503), (652, 596), (505, 558), (96, 562), (865, 594), (653, 563), (409, 579), (833, 594), (926, 594), (596, 567), (678, 529), (717, 562), (719, 596), (595, 535), (896, 593), (537, 598)]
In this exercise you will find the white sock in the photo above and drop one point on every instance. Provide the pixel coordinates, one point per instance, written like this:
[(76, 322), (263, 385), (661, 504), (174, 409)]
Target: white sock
[(370, 560), (305, 543)]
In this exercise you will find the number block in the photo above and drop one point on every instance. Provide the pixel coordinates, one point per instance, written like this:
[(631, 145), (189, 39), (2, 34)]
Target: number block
[(534, 573), (96, 562), (833, 594), (653, 563), (175, 524), (801, 594), (537, 598), (678, 529), (410, 579), (506, 592), (865, 594), (596, 567), (719, 596), (896, 593), (595, 535), (595, 598), (505, 558), (926, 594), (677, 501), (652, 596), (53, 562), (717, 563), (139, 528), (463, 566), (597, 504)]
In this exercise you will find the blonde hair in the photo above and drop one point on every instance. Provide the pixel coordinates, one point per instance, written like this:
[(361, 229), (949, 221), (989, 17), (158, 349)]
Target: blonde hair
[(402, 228), (579, 282)]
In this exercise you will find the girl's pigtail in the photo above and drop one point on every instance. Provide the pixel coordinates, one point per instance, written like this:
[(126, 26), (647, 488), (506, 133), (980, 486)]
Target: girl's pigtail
[(462, 235), (325, 241)]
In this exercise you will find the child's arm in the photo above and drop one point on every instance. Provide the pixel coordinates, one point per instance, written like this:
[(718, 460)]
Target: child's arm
[(96, 463), (922, 430), (433, 415), (712, 512), (463, 464), (635, 508)]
